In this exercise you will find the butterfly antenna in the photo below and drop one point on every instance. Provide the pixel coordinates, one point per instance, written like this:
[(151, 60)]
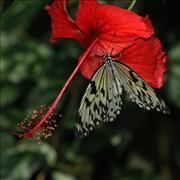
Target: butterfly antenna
[(114, 41), (114, 46)]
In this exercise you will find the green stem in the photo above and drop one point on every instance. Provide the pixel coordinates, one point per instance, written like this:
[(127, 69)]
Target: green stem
[(131, 5)]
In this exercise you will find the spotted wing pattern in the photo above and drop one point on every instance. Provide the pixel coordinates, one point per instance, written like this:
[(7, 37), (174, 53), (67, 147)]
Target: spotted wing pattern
[(101, 101), (138, 90)]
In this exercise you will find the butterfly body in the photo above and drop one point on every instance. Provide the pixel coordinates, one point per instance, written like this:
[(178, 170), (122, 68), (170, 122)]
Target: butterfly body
[(102, 99)]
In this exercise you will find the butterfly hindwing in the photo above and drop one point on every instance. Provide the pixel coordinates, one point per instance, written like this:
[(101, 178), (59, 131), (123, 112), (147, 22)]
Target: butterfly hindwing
[(138, 90), (101, 101)]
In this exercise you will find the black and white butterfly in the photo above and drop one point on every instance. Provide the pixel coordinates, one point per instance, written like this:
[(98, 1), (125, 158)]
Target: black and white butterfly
[(102, 99)]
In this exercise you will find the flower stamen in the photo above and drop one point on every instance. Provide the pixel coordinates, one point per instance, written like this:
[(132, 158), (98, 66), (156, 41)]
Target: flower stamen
[(32, 120)]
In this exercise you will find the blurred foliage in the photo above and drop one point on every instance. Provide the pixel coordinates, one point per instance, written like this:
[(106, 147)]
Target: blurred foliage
[(140, 146)]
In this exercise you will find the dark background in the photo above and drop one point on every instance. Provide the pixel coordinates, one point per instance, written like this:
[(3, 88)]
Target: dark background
[(140, 145)]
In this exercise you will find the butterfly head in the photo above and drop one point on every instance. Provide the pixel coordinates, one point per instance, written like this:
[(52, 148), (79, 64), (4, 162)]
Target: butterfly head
[(107, 57)]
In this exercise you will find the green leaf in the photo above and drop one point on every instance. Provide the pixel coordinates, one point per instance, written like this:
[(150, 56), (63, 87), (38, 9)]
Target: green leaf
[(18, 16), (174, 53), (173, 85), (122, 139), (9, 93), (7, 141), (21, 161), (58, 175)]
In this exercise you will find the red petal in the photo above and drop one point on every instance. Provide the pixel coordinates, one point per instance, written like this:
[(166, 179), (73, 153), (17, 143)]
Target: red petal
[(147, 59), (62, 24), (90, 65), (106, 20)]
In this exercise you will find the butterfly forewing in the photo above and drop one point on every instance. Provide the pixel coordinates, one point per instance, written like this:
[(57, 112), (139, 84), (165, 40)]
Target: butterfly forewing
[(101, 101), (138, 90)]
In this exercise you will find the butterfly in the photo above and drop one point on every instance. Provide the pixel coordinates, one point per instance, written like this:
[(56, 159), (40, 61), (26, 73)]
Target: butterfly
[(102, 99)]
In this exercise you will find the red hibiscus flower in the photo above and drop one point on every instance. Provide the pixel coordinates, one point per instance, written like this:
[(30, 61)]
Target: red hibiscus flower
[(95, 21), (94, 28)]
